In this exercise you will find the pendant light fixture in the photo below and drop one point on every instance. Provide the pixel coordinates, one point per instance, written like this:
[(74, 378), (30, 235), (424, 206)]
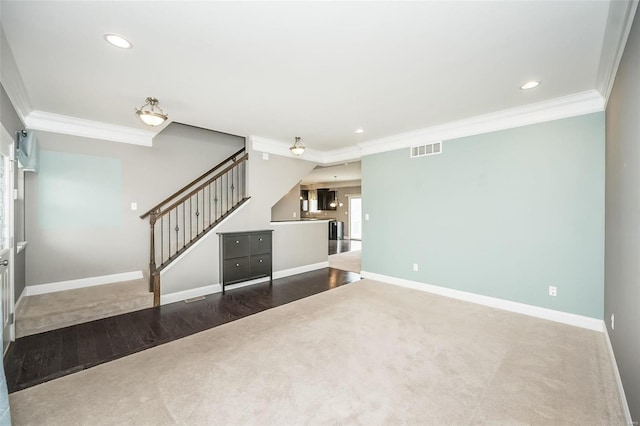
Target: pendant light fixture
[(151, 114), (298, 147), (334, 203)]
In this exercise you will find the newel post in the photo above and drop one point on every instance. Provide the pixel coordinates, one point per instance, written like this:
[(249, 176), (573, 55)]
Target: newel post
[(154, 276)]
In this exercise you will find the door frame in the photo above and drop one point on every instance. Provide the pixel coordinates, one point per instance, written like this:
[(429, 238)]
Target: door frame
[(7, 144)]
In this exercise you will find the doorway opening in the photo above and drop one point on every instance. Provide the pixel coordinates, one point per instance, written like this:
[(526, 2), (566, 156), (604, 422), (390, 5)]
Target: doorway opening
[(6, 236), (355, 217)]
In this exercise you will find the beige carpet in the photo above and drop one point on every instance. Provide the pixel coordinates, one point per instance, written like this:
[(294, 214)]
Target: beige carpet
[(366, 353), (50, 311), (349, 261)]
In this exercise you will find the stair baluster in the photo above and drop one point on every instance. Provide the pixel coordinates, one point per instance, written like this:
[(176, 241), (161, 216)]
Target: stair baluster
[(222, 200)]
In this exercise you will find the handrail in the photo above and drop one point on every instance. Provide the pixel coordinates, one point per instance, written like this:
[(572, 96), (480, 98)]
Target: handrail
[(184, 188), (179, 221), (200, 187)]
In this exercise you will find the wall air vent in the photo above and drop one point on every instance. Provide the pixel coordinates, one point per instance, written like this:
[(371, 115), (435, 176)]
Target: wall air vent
[(424, 150)]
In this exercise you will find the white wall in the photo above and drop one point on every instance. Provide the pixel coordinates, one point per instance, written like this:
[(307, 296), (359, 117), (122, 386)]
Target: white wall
[(288, 208)]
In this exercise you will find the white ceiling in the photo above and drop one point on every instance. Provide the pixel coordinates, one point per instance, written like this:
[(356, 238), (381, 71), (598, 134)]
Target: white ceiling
[(318, 70)]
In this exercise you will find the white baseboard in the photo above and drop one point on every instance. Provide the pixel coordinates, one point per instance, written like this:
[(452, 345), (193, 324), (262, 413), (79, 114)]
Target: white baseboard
[(507, 305), (217, 288), (300, 270), (32, 290), (179, 296), (616, 372), (20, 299)]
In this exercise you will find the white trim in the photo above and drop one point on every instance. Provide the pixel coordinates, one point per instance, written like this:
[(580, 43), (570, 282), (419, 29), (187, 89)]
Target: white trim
[(20, 246), (32, 290), (616, 372), (20, 299), (299, 222), (331, 185), (506, 305), (64, 124), (554, 109), (217, 288), (179, 296), (619, 22), (300, 269), (12, 80), (280, 148), (246, 283), (207, 235)]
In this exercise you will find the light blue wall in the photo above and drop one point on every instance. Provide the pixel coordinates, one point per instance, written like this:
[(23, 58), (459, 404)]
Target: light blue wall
[(504, 214), (77, 191)]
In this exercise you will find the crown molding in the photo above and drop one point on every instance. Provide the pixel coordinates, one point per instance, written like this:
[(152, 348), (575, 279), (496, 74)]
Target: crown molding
[(554, 109), (12, 81), (330, 185), (619, 22), (56, 123), (275, 147)]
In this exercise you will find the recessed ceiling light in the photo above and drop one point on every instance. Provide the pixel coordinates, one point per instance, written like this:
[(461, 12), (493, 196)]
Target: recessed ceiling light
[(530, 85), (360, 131), (118, 41)]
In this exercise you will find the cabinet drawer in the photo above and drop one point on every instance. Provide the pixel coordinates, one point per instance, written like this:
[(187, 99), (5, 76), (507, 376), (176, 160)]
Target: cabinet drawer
[(236, 270), (236, 246), (260, 265), (260, 243)]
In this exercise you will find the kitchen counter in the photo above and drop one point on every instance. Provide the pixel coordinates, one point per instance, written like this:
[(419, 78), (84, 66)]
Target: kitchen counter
[(299, 221)]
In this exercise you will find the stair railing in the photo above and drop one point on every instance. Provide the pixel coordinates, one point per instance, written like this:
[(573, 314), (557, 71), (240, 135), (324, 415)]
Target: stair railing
[(187, 215)]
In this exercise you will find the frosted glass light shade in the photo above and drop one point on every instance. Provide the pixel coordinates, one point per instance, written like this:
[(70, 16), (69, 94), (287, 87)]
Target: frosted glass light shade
[(151, 114)]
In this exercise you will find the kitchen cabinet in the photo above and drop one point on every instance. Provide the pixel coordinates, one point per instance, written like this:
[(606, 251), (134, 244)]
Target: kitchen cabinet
[(325, 198)]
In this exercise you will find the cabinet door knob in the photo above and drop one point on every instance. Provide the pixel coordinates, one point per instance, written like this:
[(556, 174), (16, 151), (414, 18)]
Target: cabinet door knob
[(237, 264), (260, 239), (237, 242), (260, 260)]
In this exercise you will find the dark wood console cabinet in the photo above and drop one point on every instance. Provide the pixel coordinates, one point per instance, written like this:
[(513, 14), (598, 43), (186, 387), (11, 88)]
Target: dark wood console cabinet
[(245, 256)]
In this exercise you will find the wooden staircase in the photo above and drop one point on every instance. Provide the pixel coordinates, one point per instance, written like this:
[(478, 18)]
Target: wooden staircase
[(180, 220)]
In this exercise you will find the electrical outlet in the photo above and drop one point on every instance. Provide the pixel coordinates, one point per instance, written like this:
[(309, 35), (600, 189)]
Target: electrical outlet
[(265, 155), (553, 290), (613, 322), (415, 267), (134, 206), (295, 214)]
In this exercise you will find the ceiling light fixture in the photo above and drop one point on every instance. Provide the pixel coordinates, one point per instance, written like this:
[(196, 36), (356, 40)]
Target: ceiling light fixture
[(334, 203), (298, 147), (153, 115), (118, 41), (530, 85), (360, 131)]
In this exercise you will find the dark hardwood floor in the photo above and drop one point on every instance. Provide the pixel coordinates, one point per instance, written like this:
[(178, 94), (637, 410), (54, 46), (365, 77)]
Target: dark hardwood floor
[(42, 357), (343, 246)]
